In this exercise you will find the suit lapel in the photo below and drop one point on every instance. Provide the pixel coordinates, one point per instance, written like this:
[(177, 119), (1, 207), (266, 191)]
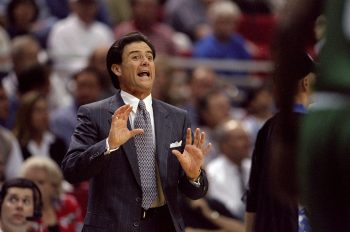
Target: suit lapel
[(129, 147), (162, 132)]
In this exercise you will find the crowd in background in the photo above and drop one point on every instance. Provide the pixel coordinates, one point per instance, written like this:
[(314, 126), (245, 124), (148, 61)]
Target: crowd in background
[(52, 60)]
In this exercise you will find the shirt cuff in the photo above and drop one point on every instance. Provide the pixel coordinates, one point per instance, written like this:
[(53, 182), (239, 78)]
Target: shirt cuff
[(108, 150), (197, 182)]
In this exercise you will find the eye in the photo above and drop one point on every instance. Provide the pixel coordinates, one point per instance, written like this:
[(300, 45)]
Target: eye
[(27, 201), (13, 199), (135, 57), (150, 57)]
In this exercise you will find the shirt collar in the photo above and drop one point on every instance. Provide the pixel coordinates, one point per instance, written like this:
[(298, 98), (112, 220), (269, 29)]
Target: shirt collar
[(134, 101)]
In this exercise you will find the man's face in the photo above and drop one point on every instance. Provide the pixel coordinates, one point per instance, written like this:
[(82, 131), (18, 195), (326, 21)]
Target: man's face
[(88, 88), (40, 116), (137, 71), (17, 206), (238, 144)]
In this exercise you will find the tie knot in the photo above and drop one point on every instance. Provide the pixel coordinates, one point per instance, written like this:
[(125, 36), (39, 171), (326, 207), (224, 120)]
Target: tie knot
[(142, 105)]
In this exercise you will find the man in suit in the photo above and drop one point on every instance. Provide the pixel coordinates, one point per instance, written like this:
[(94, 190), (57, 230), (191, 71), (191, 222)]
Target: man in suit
[(105, 148)]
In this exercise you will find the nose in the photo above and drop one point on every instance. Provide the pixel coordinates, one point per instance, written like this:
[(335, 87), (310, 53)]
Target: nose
[(20, 205), (144, 60)]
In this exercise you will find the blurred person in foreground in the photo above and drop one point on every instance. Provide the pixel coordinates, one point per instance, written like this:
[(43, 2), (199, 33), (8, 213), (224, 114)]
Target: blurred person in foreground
[(137, 151), (60, 211), (20, 205), (273, 201), (324, 142)]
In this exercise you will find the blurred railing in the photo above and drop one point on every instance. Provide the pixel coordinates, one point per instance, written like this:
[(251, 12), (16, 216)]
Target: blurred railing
[(255, 70)]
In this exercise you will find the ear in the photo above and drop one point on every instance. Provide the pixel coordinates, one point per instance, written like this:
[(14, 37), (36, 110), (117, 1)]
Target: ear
[(116, 69), (306, 83)]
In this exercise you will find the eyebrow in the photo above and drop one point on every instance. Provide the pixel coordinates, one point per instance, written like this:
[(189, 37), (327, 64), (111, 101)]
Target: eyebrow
[(137, 51), (16, 195)]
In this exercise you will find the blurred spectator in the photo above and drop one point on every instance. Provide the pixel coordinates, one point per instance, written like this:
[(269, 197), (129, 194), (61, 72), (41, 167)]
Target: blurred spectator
[(10, 151), (60, 10), (61, 212), (4, 105), (87, 89), (224, 42), (189, 17), (5, 53), (23, 19), (10, 155), (25, 52), (320, 33), (208, 215), (229, 172), (202, 80), (34, 78), (172, 85), (259, 107), (97, 60), (145, 19), (20, 203), (21, 16), (32, 129), (254, 7), (118, 11), (72, 40), (214, 109)]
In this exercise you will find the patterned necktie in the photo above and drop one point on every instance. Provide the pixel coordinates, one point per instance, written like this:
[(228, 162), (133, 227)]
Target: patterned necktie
[(146, 156)]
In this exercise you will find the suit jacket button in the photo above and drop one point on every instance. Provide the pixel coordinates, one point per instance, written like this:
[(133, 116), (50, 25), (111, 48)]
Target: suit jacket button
[(136, 224), (138, 199)]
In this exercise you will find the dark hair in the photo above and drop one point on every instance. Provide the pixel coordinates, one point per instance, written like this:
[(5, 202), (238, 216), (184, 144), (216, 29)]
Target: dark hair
[(92, 70), (23, 129), (33, 78), (24, 183), (14, 3), (203, 103), (115, 52)]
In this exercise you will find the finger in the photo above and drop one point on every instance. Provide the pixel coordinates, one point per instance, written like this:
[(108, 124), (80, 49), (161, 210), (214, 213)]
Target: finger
[(121, 109), (126, 112), (207, 149), (197, 137), (202, 139), (118, 112), (178, 155), (188, 136)]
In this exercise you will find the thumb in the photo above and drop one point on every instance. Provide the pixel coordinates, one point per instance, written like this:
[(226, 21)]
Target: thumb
[(178, 155), (135, 132)]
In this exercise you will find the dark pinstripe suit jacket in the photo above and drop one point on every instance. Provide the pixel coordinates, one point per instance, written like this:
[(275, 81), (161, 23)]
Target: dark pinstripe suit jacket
[(115, 187)]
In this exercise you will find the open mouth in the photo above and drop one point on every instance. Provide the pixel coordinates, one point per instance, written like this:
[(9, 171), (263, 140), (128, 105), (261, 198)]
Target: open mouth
[(143, 74)]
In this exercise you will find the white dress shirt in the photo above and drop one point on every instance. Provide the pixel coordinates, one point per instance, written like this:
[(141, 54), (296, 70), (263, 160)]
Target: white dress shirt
[(71, 42), (226, 183), (134, 102)]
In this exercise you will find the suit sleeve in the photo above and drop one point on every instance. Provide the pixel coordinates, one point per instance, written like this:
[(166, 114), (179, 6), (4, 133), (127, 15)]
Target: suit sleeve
[(85, 157)]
